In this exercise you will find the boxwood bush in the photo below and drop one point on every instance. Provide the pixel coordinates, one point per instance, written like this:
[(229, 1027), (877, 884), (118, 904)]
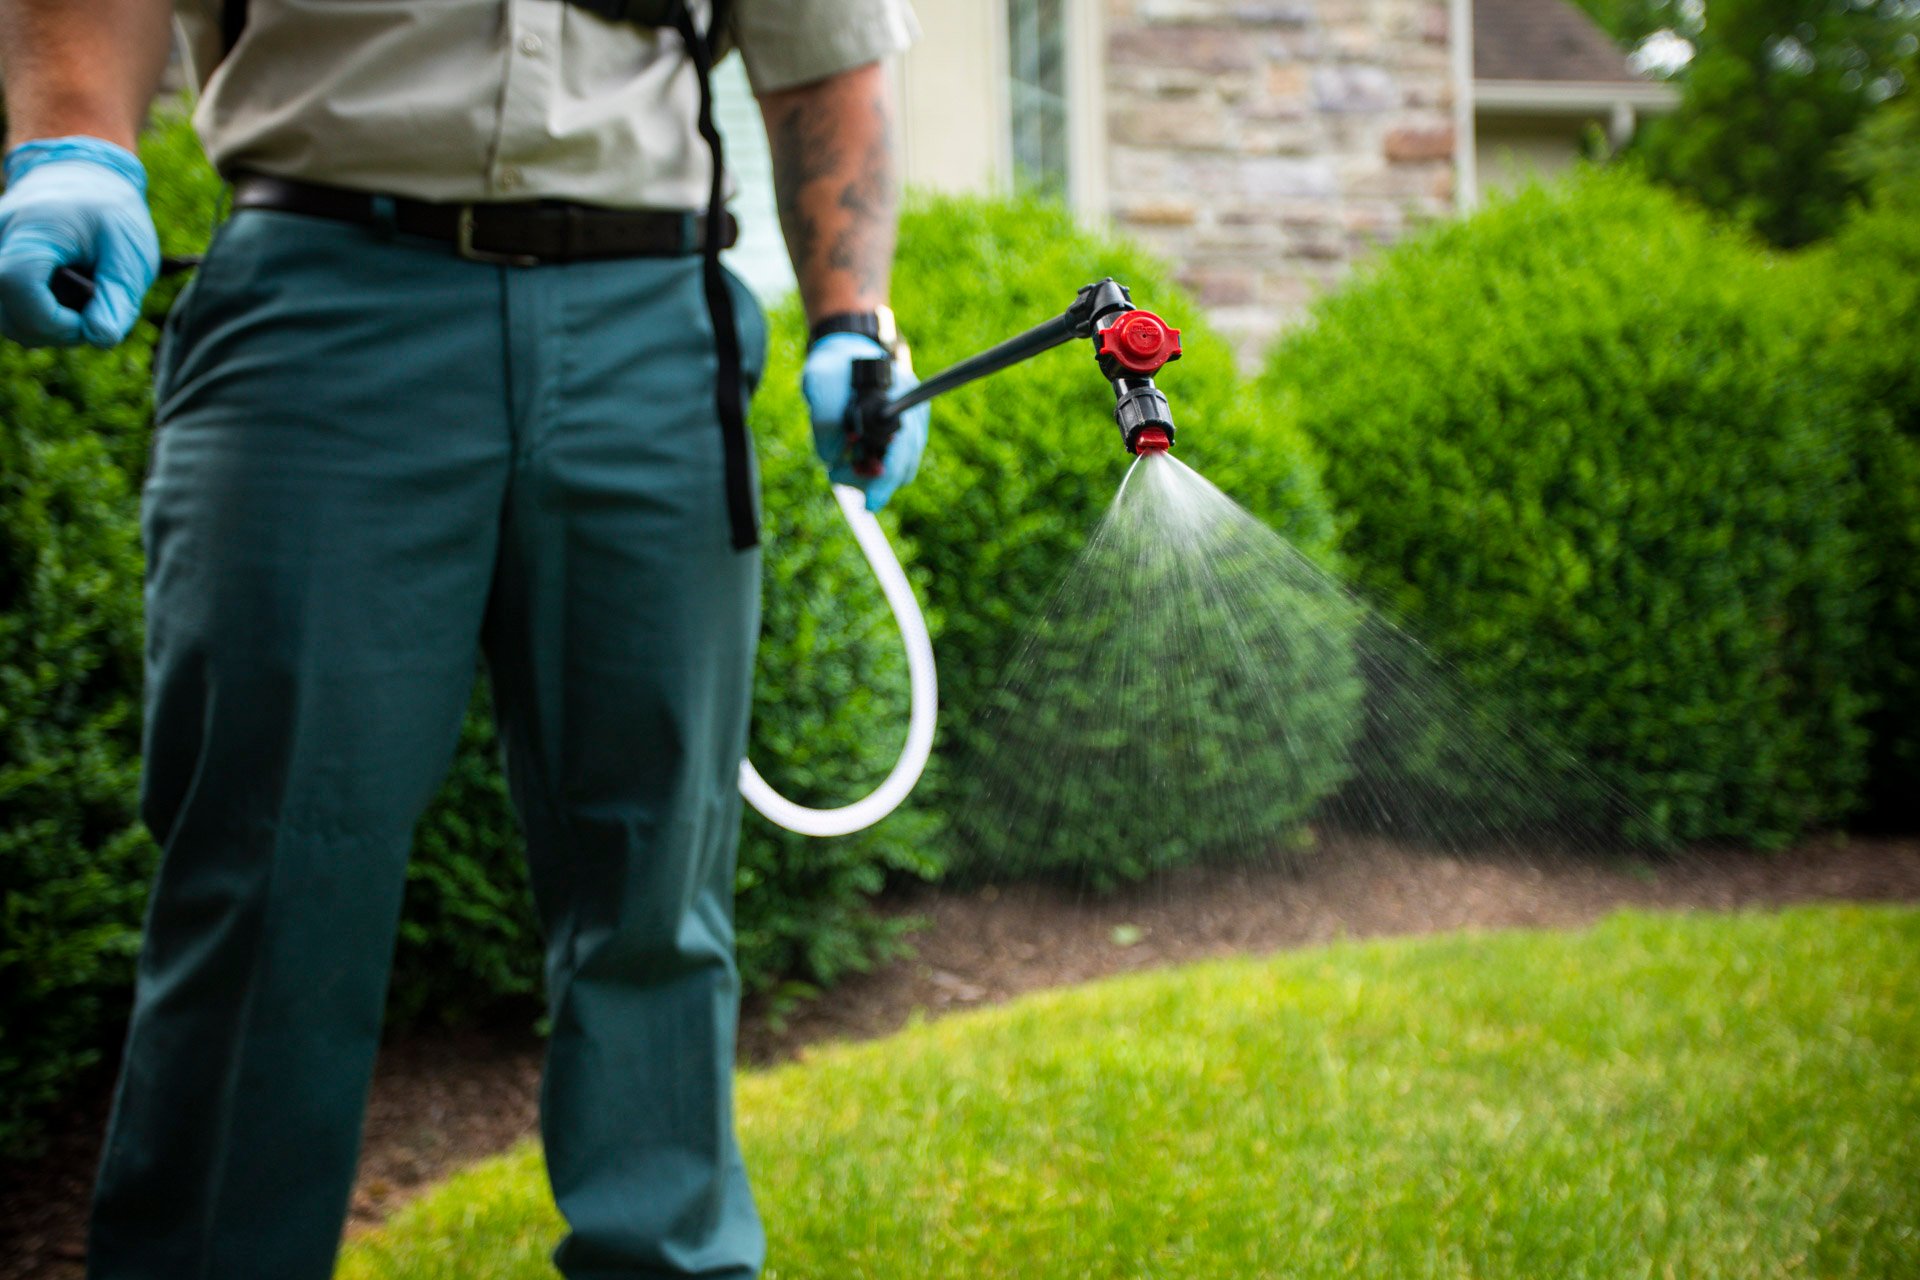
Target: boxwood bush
[(1019, 470), (1579, 449), (75, 864), (1861, 295), (74, 860)]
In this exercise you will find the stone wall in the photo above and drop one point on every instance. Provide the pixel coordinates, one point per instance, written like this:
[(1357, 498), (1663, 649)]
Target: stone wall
[(1265, 145)]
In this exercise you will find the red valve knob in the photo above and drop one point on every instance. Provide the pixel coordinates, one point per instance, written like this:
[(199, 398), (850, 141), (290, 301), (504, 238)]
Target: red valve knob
[(1140, 342)]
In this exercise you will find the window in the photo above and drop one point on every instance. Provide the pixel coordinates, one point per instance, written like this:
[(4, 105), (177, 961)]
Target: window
[(1037, 88)]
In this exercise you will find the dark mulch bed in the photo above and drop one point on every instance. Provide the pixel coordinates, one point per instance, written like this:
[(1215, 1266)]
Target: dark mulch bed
[(441, 1102)]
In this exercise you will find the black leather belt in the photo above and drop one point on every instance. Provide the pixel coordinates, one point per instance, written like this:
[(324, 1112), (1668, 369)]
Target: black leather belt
[(522, 233)]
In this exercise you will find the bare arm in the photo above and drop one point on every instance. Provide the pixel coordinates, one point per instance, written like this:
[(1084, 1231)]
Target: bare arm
[(833, 174), (81, 66)]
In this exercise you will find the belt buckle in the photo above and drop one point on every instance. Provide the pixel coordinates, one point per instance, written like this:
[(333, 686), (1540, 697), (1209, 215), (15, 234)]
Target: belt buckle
[(464, 246)]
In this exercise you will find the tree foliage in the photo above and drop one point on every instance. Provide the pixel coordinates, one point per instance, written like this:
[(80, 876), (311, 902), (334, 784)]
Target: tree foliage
[(1772, 93), (1631, 21), (1883, 155)]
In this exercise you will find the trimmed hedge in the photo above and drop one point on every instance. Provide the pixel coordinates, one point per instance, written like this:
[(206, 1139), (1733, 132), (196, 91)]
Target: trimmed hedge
[(1578, 446), (1018, 472), (1862, 301), (73, 859)]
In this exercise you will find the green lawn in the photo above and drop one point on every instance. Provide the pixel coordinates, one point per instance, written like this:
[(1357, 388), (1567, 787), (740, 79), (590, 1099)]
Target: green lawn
[(1659, 1096)]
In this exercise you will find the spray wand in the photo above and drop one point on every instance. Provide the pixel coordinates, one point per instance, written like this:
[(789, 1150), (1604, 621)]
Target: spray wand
[(1130, 346)]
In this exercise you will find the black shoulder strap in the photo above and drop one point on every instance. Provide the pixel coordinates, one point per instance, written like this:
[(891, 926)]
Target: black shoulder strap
[(233, 20), (726, 336)]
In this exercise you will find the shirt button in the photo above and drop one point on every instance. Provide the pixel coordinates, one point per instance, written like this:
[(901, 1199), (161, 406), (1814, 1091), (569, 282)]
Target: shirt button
[(531, 44), (508, 178)]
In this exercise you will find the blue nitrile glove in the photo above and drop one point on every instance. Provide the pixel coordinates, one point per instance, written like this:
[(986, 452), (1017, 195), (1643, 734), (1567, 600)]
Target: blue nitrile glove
[(74, 202), (827, 382)]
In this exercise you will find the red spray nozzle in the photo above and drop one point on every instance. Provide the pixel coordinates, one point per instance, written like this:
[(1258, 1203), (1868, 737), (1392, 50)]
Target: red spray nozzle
[(1151, 440), (1139, 342)]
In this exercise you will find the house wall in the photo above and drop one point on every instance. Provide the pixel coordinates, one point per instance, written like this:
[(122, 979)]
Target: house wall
[(1516, 150), (953, 99), (1263, 146)]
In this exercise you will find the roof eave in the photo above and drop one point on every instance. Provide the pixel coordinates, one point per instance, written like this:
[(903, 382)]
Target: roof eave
[(1572, 97)]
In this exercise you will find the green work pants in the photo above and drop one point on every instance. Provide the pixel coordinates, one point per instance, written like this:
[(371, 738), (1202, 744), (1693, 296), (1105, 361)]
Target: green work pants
[(374, 461)]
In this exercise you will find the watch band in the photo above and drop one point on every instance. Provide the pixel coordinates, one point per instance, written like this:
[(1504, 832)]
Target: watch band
[(876, 324)]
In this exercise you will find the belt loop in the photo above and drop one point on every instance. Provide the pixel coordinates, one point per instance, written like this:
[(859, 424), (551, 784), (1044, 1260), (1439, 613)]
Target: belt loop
[(386, 220)]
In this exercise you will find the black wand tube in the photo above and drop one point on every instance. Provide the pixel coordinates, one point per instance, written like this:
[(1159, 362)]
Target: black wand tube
[(73, 287), (1024, 346), (873, 418)]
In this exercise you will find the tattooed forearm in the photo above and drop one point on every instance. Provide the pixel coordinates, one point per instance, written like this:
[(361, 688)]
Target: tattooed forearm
[(805, 153), (834, 178)]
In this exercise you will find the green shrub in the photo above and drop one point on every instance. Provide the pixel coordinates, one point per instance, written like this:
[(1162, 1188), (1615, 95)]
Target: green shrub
[(74, 860), (1862, 295), (1578, 449), (1019, 470)]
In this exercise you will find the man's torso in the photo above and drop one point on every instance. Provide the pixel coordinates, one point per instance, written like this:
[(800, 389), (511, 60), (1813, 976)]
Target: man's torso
[(473, 100)]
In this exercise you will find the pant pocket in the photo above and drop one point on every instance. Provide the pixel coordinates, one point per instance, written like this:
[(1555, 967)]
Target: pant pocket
[(177, 331), (750, 320)]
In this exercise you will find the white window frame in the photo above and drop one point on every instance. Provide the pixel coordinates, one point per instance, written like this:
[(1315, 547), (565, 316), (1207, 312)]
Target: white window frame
[(1087, 109), (956, 102)]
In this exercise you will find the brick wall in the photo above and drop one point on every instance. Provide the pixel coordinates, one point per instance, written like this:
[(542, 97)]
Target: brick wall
[(1265, 145)]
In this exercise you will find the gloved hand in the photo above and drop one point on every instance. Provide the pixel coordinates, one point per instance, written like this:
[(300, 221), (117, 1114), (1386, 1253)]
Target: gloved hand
[(827, 382), (74, 202)]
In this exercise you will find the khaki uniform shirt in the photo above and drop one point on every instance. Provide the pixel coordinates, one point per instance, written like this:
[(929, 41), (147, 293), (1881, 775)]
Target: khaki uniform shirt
[(469, 100)]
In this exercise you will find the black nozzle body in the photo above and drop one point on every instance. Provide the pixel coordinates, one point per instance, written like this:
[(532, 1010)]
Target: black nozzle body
[(871, 421), (1140, 405), (1097, 305)]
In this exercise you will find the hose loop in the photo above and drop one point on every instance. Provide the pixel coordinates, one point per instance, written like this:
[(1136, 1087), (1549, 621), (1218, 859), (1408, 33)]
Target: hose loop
[(921, 679)]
